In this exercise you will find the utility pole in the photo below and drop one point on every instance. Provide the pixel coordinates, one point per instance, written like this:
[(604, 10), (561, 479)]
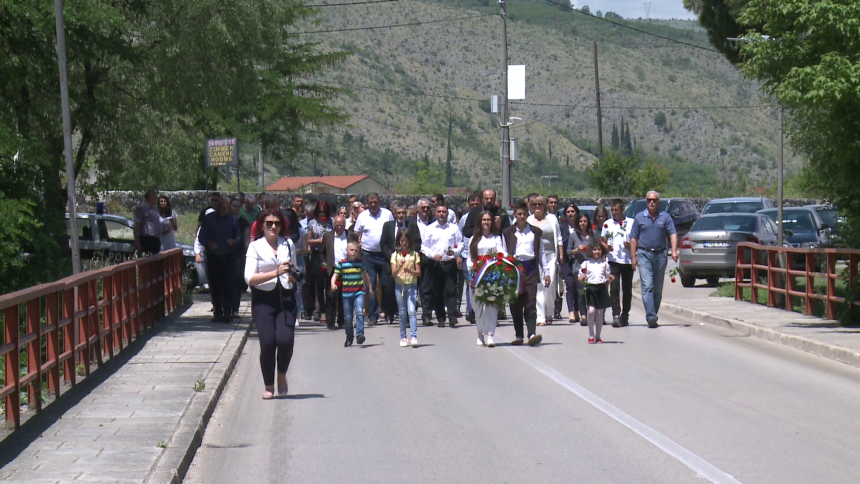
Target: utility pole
[(779, 237), (599, 114), (549, 179), (260, 178), (67, 135), (503, 115)]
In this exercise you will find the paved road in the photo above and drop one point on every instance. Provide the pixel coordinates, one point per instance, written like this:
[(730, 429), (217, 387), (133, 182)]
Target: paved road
[(682, 403)]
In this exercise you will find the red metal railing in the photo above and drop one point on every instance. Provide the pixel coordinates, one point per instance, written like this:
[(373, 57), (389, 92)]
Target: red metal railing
[(790, 270), (78, 320)]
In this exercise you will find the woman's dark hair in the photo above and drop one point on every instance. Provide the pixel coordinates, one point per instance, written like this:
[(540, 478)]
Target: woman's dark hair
[(575, 210), (587, 225), (405, 234), (478, 234), (595, 242), (166, 211), (260, 223), (322, 208)]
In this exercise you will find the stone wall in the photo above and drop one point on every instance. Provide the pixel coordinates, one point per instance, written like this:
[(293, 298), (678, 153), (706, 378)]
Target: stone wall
[(195, 200)]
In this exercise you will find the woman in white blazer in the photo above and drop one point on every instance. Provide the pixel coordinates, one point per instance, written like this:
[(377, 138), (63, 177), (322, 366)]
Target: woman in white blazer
[(273, 296)]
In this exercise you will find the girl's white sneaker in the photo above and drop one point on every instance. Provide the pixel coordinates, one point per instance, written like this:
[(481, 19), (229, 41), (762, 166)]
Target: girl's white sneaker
[(404, 343), (414, 342), (490, 342), (480, 342)]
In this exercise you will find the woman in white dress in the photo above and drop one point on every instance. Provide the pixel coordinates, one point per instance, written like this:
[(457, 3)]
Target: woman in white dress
[(552, 247), (167, 217), (485, 241)]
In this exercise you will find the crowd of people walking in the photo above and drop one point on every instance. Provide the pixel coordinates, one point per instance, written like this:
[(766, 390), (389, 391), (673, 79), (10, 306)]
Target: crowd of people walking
[(361, 264)]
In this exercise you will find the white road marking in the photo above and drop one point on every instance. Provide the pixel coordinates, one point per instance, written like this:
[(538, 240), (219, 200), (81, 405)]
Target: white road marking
[(703, 468)]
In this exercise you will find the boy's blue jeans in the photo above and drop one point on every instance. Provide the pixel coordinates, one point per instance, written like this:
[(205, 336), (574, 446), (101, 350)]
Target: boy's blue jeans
[(351, 303), (407, 298)]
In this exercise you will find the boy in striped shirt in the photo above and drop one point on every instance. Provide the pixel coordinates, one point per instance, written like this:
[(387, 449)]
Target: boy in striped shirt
[(353, 282)]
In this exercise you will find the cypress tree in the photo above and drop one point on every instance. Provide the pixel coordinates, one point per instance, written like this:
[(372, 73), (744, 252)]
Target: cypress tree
[(449, 170), (615, 140)]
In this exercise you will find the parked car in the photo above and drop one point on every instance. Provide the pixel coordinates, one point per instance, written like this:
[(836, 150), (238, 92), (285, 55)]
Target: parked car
[(829, 216), (737, 205), (111, 237), (682, 210), (802, 226), (709, 250)]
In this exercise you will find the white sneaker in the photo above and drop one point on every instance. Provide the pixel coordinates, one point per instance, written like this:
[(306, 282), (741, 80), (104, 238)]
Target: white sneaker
[(414, 342), (297, 322), (490, 342), (404, 343), (480, 342)]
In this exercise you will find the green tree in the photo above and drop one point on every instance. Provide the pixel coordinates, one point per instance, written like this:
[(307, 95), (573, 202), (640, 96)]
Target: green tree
[(613, 175), (616, 143), (428, 179), (810, 62), (649, 177), (626, 143), (148, 84), (660, 119)]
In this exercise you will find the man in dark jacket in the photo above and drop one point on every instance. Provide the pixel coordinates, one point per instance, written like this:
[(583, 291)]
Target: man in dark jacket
[(333, 250), (488, 199), (219, 235)]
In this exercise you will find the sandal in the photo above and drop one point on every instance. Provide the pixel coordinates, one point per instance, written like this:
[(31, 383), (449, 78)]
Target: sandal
[(541, 323), (268, 394), (282, 389)]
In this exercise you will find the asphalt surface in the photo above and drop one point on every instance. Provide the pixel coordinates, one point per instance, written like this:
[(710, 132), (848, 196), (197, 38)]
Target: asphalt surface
[(682, 403)]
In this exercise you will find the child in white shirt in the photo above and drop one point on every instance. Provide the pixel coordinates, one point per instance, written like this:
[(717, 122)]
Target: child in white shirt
[(595, 272)]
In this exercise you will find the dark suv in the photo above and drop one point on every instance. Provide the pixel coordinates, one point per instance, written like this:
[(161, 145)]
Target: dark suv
[(682, 210)]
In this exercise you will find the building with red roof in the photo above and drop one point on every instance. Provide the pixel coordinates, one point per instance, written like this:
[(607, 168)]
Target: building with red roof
[(327, 184)]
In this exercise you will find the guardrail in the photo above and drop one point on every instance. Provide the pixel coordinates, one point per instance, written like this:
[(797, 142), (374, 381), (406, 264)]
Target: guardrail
[(78, 320), (798, 263)]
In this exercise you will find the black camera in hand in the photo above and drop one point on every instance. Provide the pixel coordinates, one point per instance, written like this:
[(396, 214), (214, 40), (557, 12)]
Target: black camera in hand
[(296, 274)]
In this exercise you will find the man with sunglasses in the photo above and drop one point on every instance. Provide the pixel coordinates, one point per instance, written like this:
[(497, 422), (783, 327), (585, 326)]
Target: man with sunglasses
[(653, 229)]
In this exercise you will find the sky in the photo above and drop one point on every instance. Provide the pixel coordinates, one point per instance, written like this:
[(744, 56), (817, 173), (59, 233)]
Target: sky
[(636, 9)]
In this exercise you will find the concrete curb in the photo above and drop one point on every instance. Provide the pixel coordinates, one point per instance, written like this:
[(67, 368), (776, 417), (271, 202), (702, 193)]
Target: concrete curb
[(807, 345), (188, 435)]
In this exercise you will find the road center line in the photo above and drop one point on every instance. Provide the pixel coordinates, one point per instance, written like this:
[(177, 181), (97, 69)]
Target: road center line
[(703, 468)]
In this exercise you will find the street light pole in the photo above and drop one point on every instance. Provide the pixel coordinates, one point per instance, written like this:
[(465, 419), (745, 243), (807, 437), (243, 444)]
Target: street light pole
[(779, 194), (67, 135), (503, 115)]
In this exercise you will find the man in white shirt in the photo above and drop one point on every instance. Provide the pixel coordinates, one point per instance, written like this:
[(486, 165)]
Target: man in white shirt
[(368, 227), (442, 245), (439, 200), (620, 263), (523, 242)]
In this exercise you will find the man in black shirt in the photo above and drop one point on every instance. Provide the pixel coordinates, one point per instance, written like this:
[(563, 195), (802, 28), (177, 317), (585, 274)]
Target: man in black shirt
[(488, 198)]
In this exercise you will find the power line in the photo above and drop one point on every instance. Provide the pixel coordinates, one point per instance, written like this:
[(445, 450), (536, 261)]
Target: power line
[(395, 25), (398, 91), (618, 24), (572, 106), (318, 5), (527, 103)]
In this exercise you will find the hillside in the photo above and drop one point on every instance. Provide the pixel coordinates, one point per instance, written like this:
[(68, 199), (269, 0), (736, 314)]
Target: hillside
[(406, 84)]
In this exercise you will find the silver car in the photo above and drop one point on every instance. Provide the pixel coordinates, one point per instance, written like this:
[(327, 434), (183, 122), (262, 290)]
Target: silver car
[(709, 249), (737, 205)]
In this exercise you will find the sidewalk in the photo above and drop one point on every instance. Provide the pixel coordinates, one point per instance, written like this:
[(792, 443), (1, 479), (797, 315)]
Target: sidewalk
[(811, 334), (138, 422)]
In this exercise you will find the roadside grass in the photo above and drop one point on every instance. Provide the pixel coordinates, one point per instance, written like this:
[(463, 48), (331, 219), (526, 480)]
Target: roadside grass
[(187, 227), (845, 315)]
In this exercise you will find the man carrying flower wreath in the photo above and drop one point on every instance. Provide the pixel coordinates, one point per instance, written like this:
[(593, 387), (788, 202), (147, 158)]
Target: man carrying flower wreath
[(616, 232), (523, 241)]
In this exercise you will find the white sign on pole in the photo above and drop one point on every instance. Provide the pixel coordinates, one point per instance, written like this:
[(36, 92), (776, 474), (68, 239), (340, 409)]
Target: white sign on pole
[(516, 82)]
